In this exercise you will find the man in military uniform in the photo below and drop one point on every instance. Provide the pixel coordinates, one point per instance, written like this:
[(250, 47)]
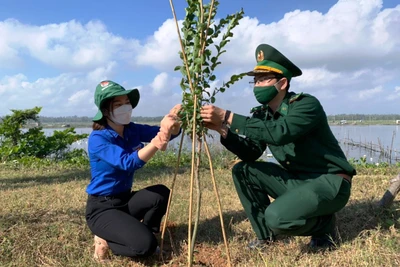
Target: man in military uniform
[(313, 178)]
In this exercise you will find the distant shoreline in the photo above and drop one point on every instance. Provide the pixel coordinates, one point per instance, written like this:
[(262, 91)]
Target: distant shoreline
[(74, 125), (89, 124)]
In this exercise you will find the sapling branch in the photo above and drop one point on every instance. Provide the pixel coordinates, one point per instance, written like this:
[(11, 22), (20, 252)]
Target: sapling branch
[(197, 72)]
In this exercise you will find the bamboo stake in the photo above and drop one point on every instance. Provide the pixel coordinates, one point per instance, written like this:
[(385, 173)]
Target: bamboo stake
[(190, 240), (197, 178), (208, 24), (218, 201), (170, 196), (182, 46), (195, 170), (193, 134), (190, 252)]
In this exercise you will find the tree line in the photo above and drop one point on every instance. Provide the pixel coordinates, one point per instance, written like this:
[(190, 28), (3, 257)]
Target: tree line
[(364, 117), (337, 117), (80, 119)]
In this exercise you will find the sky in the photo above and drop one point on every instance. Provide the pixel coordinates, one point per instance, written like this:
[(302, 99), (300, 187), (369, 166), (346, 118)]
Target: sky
[(54, 53)]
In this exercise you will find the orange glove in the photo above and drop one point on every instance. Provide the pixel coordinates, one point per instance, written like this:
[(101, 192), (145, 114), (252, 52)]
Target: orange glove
[(161, 139), (177, 125), (175, 110)]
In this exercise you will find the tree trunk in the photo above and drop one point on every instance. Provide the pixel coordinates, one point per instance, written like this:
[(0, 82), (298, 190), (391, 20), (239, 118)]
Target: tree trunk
[(390, 194)]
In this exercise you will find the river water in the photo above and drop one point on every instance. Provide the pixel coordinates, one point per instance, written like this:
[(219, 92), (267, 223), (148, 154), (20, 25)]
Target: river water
[(382, 138)]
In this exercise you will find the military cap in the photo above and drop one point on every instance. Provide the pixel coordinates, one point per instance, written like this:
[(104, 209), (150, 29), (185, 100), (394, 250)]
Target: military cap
[(109, 89), (270, 59)]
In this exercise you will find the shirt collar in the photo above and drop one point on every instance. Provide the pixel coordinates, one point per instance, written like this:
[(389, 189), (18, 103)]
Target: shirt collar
[(284, 106), (112, 131), (282, 110)]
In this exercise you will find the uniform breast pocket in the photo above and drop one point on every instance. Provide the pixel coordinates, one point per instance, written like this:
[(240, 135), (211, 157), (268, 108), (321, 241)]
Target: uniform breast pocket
[(288, 149), (282, 152)]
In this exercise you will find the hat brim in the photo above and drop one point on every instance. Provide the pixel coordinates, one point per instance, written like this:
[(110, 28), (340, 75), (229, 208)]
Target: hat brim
[(133, 95), (255, 72)]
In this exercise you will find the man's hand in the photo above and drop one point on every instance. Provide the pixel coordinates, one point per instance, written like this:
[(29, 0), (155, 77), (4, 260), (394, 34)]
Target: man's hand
[(213, 116)]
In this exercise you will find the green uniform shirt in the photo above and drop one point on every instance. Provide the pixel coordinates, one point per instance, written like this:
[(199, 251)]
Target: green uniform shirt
[(298, 136)]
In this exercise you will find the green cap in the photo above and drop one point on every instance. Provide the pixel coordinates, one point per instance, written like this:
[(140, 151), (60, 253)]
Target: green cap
[(109, 89), (271, 60)]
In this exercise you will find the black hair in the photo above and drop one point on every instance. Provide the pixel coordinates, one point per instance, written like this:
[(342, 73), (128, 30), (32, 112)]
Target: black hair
[(105, 107)]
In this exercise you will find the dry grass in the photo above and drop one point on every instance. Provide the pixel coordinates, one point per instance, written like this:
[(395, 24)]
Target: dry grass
[(42, 224)]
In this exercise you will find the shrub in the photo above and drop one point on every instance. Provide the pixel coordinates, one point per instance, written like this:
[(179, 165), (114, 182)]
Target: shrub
[(17, 143)]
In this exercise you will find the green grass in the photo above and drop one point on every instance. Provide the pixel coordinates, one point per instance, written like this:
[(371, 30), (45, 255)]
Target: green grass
[(42, 222)]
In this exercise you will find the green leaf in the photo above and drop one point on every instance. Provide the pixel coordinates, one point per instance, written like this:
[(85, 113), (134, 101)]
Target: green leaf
[(198, 61), (183, 72), (198, 35)]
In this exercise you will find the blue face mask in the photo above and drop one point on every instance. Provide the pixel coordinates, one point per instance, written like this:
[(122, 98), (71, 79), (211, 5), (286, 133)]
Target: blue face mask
[(264, 94)]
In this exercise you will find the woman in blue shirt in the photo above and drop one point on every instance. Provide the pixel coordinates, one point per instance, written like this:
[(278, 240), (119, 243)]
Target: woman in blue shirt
[(123, 220)]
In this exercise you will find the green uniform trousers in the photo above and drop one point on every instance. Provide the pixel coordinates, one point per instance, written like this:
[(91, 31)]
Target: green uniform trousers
[(304, 203)]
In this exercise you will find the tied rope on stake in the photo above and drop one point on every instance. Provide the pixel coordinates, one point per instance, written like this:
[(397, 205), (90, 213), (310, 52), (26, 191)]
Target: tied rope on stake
[(197, 71)]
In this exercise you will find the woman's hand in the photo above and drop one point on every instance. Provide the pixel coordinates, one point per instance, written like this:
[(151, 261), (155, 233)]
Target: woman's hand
[(168, 126), (177, 125), (168, 122), (175, 110)]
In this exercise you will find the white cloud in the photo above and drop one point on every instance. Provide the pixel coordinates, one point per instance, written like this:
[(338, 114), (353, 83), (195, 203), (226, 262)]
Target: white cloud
[(161, 50), (159, 84), (9, 83), (101, 73), (80, 97), (351, 35), (153, 105), (163, 84), (62, 95), (316, 77), (340, 52), (67, 46), (351, 47), (394, 95), (370, 93)]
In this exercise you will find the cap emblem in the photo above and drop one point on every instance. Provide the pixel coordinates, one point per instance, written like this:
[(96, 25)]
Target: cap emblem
[(260, 56), (104, 85)]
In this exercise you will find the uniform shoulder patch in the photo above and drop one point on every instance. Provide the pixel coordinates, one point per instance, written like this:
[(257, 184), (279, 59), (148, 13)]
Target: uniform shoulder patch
[(295, 97), (258, 109)]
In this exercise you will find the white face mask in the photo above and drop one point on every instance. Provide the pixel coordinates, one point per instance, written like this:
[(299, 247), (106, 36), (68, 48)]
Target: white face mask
[(122, 115)]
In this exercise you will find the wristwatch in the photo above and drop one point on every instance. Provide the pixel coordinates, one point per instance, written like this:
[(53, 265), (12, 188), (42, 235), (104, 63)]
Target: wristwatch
[(225, 121)]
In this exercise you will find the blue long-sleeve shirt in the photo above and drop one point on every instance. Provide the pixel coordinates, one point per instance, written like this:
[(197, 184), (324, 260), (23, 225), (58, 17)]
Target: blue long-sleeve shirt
[(114, 159)]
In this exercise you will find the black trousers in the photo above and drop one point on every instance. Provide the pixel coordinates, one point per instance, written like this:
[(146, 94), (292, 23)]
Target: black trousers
[(128, 221)]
